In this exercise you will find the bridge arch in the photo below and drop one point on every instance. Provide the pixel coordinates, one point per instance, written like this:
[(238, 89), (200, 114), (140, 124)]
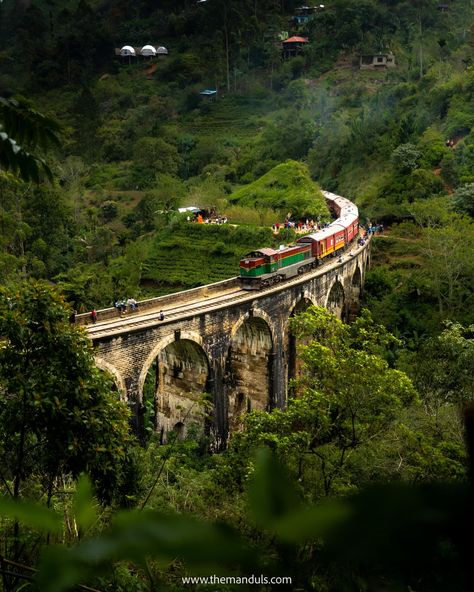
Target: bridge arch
[(336, 300), (352, 305), (118, 380), (255, 313), (189, 335), (356, 278), (175, 375), (249, 363)]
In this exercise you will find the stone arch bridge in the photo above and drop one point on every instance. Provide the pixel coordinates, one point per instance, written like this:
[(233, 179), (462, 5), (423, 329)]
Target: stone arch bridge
[(232, 344)]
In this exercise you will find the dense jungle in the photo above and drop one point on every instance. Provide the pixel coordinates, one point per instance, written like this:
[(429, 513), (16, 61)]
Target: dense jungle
[(364, 481)]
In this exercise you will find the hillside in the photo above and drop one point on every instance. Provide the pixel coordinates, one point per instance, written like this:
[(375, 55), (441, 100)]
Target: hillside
[(138, 142), (359, 479), (285, 188)]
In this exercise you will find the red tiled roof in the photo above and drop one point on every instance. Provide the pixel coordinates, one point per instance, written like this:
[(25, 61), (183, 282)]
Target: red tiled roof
[(296, 40)]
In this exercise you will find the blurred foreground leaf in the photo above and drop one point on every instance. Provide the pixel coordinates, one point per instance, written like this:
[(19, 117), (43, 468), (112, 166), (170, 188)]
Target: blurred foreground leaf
[(31, 515), (271, 493), (207, 548), (85, 510)]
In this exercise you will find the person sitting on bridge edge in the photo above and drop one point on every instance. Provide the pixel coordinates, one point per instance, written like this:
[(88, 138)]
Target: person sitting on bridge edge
[(132, 303), (121, 307), (161, 316)]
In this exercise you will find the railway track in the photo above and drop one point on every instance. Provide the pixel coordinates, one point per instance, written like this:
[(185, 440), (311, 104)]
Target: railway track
[(137, 321)]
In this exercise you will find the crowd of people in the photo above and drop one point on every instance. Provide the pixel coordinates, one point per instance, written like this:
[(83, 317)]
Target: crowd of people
[(299, 225), (207, 217), (122, 305), (372, 229), (200, 219)]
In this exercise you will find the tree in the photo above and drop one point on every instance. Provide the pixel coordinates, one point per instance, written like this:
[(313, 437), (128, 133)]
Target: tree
[(463, 199), (58, 412), (350, 398), (406, 158), (24, 132), (447, 247), (443, 368)]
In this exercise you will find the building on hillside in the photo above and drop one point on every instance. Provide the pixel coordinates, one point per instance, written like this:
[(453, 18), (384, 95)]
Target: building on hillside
[(305, 13), (294, 46), (147, 51), (209, 94), (376, 60), (127, 51)]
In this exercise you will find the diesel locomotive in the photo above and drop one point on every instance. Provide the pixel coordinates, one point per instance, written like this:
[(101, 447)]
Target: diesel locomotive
[(265, 267)]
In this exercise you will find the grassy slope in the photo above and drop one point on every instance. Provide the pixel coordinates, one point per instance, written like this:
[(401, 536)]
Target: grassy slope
[(188, 255), (287, 186)]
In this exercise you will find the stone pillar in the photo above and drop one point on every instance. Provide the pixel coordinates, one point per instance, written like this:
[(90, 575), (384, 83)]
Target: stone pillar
[(220, 424), (278, 374), (135, 403)]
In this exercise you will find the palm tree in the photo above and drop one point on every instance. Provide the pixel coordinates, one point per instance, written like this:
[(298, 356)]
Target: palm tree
[(24, 132)]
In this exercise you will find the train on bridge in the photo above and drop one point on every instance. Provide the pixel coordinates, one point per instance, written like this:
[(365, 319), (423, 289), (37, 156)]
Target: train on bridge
[(265, 267)]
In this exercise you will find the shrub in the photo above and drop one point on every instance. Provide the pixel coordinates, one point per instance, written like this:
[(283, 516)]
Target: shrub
[(463, 199), (406, 158), (108, 210)]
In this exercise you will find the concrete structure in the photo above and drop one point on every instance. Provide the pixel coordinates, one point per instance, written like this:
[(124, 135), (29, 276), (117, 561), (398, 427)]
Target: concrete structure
[(376, 61), (231, 344)]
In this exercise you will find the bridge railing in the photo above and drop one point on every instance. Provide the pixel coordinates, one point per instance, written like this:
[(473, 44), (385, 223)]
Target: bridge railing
[(200, 293)]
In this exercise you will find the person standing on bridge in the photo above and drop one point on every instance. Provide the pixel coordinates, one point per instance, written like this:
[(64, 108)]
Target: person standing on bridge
[(161, 316), (94, 316)]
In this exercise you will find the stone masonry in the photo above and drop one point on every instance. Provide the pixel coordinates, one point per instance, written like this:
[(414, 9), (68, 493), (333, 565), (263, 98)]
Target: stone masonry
[(241, 353)]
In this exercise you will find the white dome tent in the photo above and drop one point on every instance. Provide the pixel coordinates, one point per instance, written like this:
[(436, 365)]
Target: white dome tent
[(162, 50), (148, 51), (127, 51)]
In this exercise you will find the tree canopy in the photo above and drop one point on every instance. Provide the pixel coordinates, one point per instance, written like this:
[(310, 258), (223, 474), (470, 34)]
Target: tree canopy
[(59, 414)]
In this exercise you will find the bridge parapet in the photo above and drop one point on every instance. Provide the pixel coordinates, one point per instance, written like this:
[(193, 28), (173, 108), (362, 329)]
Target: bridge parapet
[(234, 345), (184, 297)]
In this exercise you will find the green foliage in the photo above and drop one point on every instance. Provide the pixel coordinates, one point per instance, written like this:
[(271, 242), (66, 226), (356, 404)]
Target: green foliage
[(55, 418), (108, 210), (433, 147), (307, 542), (287, 188), (170, 265), (348, 399), (442, 368), (463, 199), (24, 132), (406, 157), (31, 515)]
